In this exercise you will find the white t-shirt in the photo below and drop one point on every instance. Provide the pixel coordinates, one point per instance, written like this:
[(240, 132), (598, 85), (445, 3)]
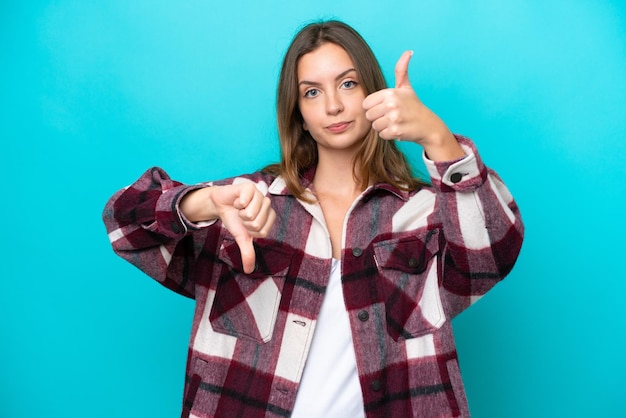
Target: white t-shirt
[(330, 383)]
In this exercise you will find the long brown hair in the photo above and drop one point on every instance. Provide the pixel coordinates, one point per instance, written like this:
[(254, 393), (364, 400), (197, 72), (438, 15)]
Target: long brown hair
[(377, 160)]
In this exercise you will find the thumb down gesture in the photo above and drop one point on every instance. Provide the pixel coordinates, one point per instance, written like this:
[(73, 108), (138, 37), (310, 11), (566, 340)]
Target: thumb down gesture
[(243, 209)]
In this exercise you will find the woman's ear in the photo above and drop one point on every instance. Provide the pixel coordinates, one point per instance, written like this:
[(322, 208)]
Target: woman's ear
[(304, 126)]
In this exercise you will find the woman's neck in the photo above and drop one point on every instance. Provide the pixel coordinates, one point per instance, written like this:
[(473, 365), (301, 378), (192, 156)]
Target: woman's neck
[(336, 190), (335, 175)]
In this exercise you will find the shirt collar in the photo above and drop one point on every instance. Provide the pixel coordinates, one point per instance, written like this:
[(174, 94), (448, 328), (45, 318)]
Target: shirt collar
[(279, 187)]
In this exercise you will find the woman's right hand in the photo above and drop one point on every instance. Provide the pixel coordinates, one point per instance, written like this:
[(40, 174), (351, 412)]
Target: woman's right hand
[(243, 210)]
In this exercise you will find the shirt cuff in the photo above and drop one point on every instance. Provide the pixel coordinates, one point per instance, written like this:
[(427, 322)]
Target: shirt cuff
[(169, 219), (463, 174)]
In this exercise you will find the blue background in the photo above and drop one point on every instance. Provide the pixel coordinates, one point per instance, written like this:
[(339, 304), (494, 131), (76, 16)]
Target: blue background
[(94, 93)]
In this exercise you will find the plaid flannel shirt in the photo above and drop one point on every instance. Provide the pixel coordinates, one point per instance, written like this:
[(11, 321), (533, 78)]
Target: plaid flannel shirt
[(411, 261)]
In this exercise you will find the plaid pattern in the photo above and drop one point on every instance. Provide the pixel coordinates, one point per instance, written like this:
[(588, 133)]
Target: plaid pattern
[(411, 262)]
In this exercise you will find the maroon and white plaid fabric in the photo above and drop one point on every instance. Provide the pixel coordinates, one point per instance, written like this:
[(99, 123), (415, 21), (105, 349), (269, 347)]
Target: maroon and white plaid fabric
[(410, 263)]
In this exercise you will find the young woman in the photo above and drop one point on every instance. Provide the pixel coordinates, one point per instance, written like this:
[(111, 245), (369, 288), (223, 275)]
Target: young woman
[(325, 284)]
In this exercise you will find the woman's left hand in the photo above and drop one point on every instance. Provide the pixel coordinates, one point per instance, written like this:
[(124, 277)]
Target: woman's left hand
[(397, 113)]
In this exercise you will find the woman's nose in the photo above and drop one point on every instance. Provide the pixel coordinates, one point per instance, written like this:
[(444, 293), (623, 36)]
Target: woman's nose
[(334, 105)]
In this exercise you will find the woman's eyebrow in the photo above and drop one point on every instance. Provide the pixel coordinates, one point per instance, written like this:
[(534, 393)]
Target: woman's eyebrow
[(340, 76)]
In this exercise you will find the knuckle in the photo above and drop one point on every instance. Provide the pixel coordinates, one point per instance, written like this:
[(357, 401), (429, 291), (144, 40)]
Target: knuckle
[(244, 215), (394, 116), (391, 102), (252, 226)]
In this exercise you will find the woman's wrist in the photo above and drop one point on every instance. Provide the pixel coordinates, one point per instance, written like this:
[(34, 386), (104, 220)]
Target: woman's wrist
[(442, 146), (198, 206)]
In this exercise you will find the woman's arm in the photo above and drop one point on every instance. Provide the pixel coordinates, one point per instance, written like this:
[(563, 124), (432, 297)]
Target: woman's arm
[(482, 227), (481, 222), (146, 229), (158, 224)]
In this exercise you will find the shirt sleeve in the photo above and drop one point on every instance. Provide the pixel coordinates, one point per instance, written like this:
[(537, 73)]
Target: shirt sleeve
[(482, 227), (146, 228)]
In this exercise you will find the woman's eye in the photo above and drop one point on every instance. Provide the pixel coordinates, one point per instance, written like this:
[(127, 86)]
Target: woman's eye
[(311, 93), (349, 84)]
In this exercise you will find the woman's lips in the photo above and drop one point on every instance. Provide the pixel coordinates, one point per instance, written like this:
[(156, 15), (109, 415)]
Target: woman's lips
[(337, 128)]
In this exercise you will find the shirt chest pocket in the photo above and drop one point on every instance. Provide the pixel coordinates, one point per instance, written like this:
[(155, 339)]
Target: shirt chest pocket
[(246, 305), (408, 282)]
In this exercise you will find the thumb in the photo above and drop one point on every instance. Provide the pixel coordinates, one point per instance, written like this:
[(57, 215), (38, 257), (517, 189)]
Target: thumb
[(402, 70), (246, 248)]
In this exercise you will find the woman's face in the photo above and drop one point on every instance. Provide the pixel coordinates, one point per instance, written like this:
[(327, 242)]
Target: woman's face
[(331, 99)]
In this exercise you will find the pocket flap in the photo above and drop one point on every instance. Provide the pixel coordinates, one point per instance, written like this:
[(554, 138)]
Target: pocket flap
[(408, 283), (410, 255), (271, 258)]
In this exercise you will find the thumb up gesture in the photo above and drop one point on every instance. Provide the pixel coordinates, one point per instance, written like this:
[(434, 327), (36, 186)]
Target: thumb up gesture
[(397, 113)]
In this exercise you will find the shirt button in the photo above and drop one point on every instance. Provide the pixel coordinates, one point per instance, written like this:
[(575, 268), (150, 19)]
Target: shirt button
[(376, 385), (363, 316), (357, 252), (413, 262), (456, 177)]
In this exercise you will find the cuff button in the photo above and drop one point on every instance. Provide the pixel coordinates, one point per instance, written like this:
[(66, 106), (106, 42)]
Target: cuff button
[(456, 177)]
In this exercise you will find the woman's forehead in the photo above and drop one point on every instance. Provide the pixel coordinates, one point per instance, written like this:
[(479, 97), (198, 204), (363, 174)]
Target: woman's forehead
[(327, 61)]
